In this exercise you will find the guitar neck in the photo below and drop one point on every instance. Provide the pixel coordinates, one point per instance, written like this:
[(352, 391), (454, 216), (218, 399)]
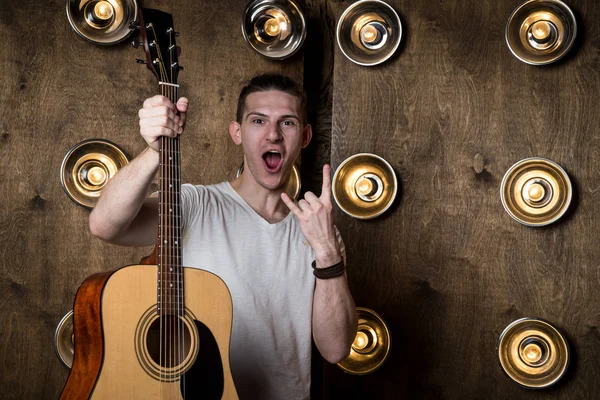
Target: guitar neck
[(170, 279)]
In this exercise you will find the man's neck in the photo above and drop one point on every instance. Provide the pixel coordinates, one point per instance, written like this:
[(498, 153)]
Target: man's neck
[(266, 202)]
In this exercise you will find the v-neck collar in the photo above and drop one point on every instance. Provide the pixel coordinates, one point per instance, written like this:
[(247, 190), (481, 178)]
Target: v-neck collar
[(243, 202)]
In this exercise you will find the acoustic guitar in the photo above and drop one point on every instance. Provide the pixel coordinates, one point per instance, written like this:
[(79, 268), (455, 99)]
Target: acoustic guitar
[(154, 331)]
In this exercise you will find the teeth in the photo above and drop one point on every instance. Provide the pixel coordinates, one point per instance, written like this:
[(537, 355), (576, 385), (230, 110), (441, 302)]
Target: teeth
[(273, 151)]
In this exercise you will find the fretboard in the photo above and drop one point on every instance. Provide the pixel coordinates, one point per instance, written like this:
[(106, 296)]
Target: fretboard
[(170, 270)]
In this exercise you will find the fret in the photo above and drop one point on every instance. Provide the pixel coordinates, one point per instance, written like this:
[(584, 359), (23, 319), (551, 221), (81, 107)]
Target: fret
[(170, 273)]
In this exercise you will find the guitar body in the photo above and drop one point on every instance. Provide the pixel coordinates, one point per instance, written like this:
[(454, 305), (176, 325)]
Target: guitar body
[(117, 352)]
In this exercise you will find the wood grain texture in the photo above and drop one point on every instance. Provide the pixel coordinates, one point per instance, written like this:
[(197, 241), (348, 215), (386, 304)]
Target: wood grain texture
[(58, 90), (207, 299), (452, 111), (446, 267), (88, 329)]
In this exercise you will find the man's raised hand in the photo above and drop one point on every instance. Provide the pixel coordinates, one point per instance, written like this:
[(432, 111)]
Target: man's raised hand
[(160, 117), (316, 221)]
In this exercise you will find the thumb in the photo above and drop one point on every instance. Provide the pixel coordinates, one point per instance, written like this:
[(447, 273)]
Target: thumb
[(182, 106)]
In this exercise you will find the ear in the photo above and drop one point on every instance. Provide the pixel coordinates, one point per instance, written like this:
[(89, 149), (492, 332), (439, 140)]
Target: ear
[(235, 131), (306, 135)]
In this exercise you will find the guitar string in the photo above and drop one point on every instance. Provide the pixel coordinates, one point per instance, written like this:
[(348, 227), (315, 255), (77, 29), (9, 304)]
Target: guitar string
[(179, 265), (180, 298), (161, 260), (170, 147)]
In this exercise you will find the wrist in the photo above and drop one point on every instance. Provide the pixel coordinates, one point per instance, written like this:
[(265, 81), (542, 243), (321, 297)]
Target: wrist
[(328, 259), (332, 271)]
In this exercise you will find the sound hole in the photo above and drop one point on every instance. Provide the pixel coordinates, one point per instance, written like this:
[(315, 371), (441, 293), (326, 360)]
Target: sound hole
[(168, 341)]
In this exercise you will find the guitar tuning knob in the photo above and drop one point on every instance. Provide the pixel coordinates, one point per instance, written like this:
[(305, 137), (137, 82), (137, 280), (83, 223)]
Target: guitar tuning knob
[(176, 34), (178, 50), (135, 43), (134, 26), (180, 68), (140, 61)]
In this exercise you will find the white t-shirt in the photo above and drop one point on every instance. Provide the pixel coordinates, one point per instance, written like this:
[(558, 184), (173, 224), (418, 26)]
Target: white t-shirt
[(267, 268)]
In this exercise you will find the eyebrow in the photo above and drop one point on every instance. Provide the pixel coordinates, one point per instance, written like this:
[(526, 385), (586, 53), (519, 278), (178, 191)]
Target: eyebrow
[(258, 114)]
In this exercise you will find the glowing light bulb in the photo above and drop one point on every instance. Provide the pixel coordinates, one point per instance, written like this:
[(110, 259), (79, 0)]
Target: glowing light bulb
[(541, 30), (272, 27), (96, 176), (360, 341), (533, 353), (364, 186), (536, 192), (103, 10), (369, 34)]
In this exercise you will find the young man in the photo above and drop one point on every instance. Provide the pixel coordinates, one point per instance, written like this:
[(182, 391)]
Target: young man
[(244, 232)]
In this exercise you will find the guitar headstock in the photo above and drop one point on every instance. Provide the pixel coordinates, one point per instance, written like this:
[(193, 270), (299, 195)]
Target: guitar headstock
[(158, 33)]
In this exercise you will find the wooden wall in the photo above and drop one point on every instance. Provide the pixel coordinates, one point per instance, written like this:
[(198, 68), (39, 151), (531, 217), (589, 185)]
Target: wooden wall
[(448, 269), (452, 111), (58, 90)]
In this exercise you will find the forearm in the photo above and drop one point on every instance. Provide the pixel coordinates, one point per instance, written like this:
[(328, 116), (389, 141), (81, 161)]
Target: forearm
[(334, 317), (123, 196)]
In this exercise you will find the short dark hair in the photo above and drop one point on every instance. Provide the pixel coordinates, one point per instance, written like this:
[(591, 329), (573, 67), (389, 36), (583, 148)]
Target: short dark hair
[(266, 82)]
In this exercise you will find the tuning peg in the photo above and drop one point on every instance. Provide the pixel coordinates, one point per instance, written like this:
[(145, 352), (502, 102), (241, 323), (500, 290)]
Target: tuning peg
[(140, 61), (176, 34), (135, 43), (134, 26), (176, 65), (178, 50)]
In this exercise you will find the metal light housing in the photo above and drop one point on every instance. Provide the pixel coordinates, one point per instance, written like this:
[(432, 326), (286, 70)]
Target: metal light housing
[(103, 22), (369, 32), (87, 167), (371, 346), (536, 191), (364, 186), (275, 29), (533, 353), (540, 32), (64, 340)]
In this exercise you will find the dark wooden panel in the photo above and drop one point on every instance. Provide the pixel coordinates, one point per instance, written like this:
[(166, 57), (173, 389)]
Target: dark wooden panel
[(447, 268), (58, 90)]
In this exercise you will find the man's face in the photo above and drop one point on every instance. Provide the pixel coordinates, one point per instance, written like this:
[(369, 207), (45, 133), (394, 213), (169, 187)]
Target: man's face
[(271, 134)]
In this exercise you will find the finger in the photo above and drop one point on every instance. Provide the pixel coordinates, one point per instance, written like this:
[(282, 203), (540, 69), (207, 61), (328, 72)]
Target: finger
[(159, 100), (290, 204), (152, 133), (303, 204), (162, 122), (157, 111), (182, 104), (311, 198), (326, 189)]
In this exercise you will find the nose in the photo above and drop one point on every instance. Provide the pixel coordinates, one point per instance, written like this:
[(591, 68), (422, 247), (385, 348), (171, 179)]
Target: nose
[(274, 133)]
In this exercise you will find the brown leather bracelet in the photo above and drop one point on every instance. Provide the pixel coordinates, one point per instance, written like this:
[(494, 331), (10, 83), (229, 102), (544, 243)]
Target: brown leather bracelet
[(329, 272)]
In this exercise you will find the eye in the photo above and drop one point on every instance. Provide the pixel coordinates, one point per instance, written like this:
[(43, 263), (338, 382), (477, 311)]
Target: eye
[(288, 123), (258, 121)]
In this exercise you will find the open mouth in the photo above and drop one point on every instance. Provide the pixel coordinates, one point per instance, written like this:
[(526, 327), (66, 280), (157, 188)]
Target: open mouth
[(273, 161)]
